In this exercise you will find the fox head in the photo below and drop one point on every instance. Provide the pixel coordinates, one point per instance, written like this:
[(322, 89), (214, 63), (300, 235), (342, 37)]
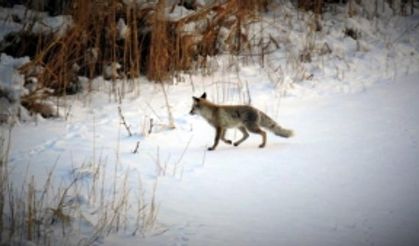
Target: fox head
[(197, 104)]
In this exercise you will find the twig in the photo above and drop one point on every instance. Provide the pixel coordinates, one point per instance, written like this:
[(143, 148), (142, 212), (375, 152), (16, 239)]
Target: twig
[(152, 110), (192, 83), (413, 27), (124, 122), (249, 102), (68, 112), (181, 156), (135, 151), (169, 112), (151, 126)]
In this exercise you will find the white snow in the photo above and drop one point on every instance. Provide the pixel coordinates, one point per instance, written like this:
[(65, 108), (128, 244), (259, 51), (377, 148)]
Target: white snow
[(11, 86), (20, 18), (122, 28), (350, 175)]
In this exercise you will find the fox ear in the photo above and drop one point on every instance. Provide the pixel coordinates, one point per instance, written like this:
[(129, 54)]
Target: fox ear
[(195, 99), (204, 95)]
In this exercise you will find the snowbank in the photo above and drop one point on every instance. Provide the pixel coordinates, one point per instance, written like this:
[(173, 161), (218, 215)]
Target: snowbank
[(337, 53), (19, 18), (12, 86)]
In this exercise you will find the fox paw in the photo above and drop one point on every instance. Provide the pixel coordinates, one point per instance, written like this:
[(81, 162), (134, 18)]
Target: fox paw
[(211, 148), (236, 144), (228, 142)]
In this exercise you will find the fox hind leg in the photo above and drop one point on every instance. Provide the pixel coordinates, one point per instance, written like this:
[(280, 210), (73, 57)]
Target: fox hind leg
[(245, 136), (223, 133), (256, 129)]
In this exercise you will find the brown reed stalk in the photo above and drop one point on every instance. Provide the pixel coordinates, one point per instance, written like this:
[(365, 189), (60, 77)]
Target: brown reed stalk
[(159, 57)]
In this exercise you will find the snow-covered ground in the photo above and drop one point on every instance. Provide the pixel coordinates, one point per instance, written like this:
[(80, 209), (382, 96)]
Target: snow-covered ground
[(350, 175)]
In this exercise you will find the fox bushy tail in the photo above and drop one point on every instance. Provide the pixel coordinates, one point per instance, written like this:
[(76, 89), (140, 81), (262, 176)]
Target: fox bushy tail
[(270, 124)]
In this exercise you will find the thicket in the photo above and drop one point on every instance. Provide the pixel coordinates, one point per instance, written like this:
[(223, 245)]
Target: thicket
[(120, 39), (116, 39)]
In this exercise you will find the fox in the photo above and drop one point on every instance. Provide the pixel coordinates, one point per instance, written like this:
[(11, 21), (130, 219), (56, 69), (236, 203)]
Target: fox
[(244, 117)]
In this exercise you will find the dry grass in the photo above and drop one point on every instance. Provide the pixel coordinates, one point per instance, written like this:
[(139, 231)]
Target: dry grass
[(150, 44), (159, 59), (309, 5), (42, 213), (4, 175), (116, 40)]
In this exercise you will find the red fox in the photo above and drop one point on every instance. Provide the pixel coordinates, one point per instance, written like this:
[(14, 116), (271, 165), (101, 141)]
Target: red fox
[(244, 117)]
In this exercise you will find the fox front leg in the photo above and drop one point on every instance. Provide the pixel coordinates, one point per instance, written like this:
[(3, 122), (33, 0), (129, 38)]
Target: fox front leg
[(218, 132), (223, 137)]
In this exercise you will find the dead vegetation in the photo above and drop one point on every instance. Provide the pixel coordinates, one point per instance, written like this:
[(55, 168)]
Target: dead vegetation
[(50, 212), (122, 40), (134, 39)]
